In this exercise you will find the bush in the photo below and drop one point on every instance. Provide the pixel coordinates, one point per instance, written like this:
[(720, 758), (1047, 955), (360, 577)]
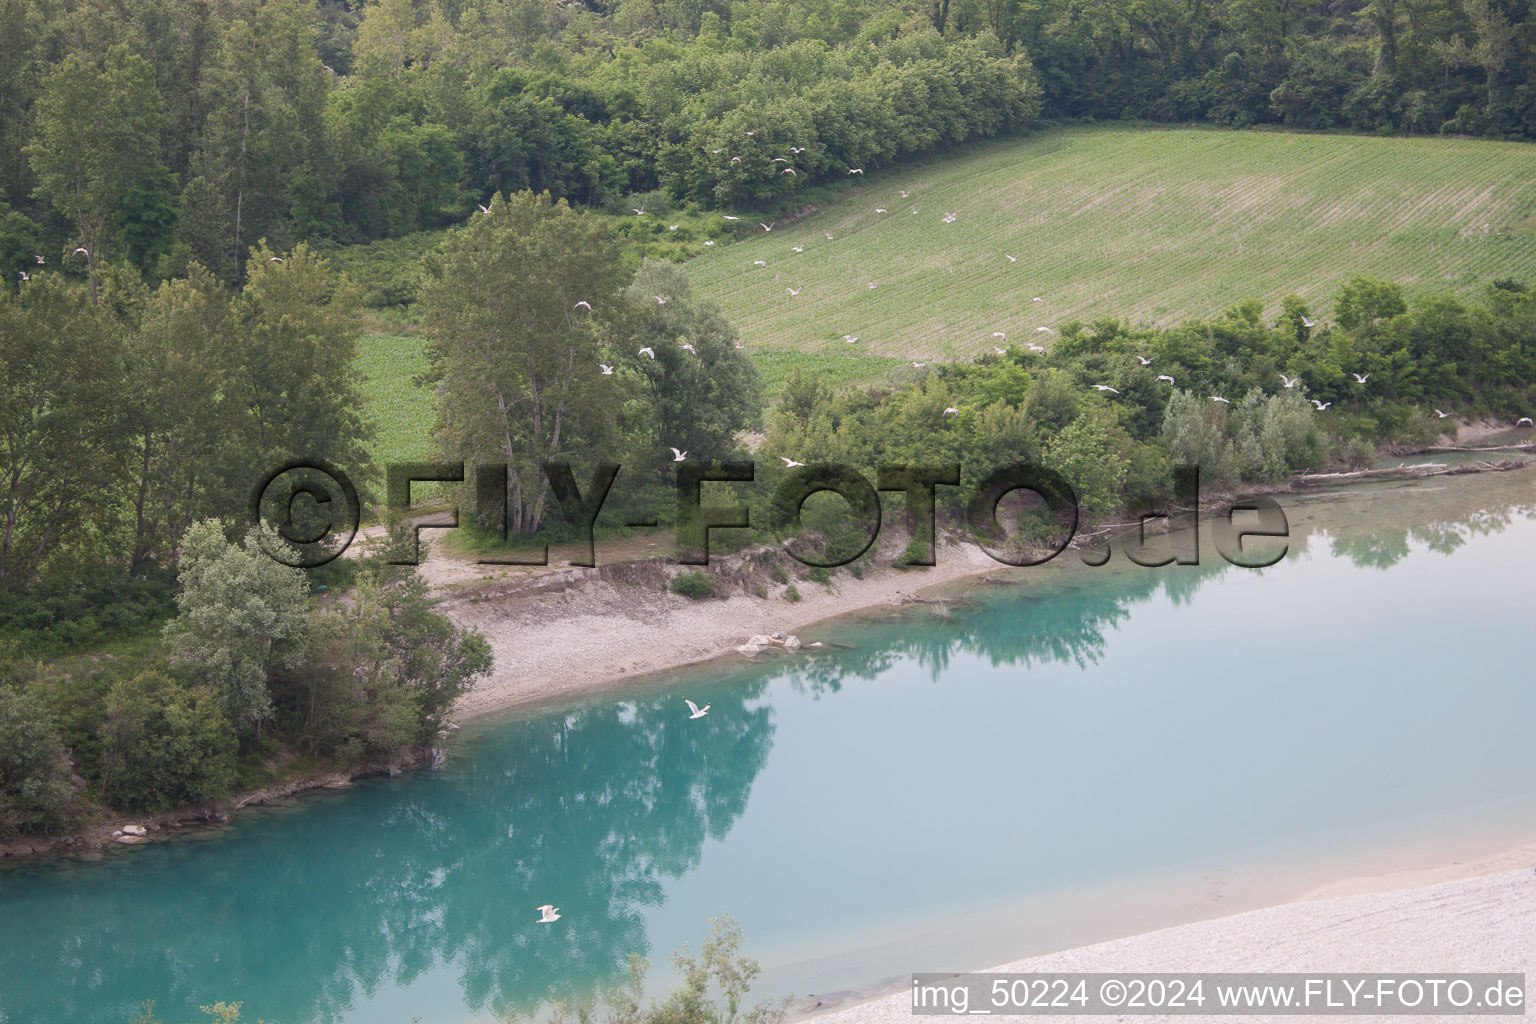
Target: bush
[(695, 585), (820, 574), (164, 745), (36, 793), (791, 595)]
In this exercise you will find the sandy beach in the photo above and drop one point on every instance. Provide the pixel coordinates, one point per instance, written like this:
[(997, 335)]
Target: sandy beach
[(575, 629), (1467, 920)]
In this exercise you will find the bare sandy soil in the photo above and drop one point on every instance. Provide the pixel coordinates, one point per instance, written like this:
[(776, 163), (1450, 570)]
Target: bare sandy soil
[(566, 630)]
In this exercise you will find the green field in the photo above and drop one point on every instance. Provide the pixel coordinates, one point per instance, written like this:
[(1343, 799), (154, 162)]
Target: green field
[(402, 412), (1157, 225)]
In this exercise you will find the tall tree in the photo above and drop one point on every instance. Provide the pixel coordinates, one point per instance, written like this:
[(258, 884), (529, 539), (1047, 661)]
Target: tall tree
[(96, 148), (517, 358)]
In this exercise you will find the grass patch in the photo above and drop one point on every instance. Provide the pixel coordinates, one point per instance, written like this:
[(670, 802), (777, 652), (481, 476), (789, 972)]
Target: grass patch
[(402, 412), (1154, 224)]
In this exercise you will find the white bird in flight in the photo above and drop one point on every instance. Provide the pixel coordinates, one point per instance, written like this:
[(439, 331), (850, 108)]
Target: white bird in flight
[(647, 351), (678, 456), (1037, 299), (40, 260), (1290, 382), (689, 348), (584, 303), (1164, 376), (661, 300), (548, 914), (1525, 421), (483, 208), (790, 463), (672, 227), (855, 170), (795, 291), (829, 236), (1218, 398), (797, 150), (779, 160), (276, 259), (1360, 378), (951, 411), (709, 241), (1307, 323), (1144, 360), (999, 351), (728, 216), (919, 365), (607, 370), (80, 250), (24, 275), (639, 210), (735, 160), (850, 338), (759, 263), (697, 712), (790, 170), (1104, 387), (880, 209), (797, 248), (1440, 414), (766, 227), (1044, 330), (1321, 405), (1012, 259), (1000, 334), (1035, 348), (904, 193)]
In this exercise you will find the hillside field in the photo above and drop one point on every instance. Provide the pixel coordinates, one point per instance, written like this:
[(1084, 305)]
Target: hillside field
[(1152, 224)]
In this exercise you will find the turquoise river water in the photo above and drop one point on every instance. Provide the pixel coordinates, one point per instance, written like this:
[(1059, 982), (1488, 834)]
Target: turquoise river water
[(1082, 754)]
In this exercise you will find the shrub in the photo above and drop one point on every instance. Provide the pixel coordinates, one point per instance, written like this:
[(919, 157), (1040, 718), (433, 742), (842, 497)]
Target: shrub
[(791, 595), (35, 789), (821, 575), (694, 585), (164, 745)]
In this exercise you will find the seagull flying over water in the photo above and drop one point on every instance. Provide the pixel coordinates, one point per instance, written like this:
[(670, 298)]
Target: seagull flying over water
[(639, 211), (40, 260), (24, 275), (790, 463), (483, 208), (679, 456), (855, 170), (766, 227), (548, 913), (80, 250), (276, 259), (698, 712)]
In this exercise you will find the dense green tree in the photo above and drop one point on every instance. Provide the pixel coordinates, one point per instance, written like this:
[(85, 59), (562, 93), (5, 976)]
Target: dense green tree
[(36, 792), (96, 155), (242, 618), (164, 745), (517, 358)]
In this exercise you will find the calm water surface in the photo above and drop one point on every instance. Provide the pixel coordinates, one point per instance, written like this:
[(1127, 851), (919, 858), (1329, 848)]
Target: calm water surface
[(1088, 753)]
